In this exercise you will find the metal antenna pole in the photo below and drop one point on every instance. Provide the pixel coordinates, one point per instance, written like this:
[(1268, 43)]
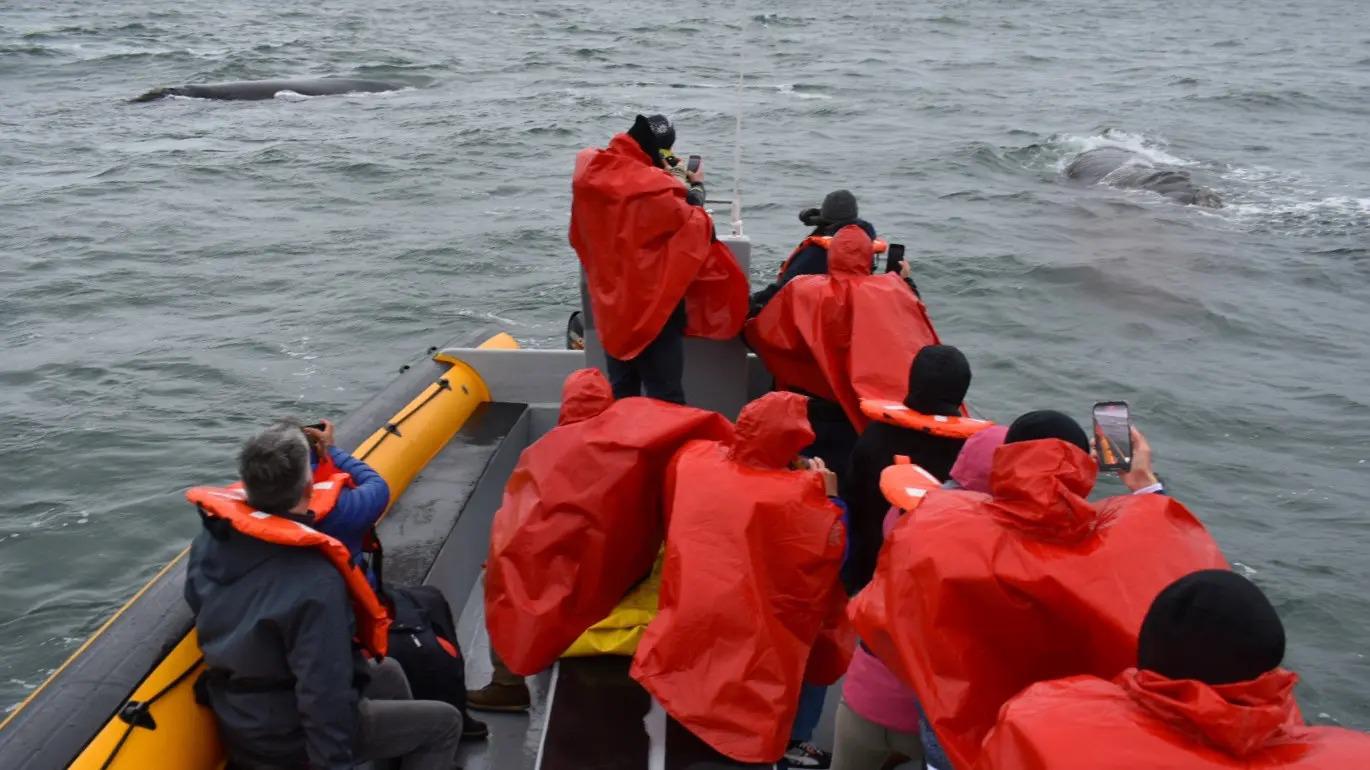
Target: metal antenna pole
[(737, 149)]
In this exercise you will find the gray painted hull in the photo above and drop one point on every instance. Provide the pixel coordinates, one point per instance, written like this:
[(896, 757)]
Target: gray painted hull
[(256, 90)]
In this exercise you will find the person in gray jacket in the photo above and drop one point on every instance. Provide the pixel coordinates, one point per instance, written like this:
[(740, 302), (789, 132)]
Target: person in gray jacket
[(287, 687)]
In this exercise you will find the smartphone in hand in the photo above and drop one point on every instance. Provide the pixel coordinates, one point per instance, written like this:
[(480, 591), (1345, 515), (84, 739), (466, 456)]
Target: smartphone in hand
[(693, 164), (1113, 435), (893, 257)]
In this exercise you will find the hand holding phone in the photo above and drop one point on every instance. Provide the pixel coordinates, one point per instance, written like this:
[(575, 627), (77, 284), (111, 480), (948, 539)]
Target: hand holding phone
[(1141, 475), (693, 164), (894, 257), (1113, 436)]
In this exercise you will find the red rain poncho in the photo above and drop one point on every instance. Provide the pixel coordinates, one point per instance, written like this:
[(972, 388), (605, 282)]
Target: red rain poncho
[(844, 336), (1147, 721), (976, 597), (644, 249), (581, 520), (749, 582)]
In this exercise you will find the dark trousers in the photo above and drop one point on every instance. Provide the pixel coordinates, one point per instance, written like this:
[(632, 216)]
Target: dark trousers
[(416, 734), (420, 734), (659, 370)]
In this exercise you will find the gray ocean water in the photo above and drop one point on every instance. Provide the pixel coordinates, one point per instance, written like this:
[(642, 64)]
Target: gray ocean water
[(173, 274)]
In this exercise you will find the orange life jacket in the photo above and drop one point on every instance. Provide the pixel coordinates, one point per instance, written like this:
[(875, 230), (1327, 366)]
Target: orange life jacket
[(900, 415), (822, 241), (905, 483), (229, 504), (329, 483)]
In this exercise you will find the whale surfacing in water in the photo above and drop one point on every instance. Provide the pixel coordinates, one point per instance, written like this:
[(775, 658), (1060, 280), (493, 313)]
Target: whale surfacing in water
[(1126, 170), (255, 90)]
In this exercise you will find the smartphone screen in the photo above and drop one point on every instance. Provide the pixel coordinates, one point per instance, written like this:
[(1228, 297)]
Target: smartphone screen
[(1113, 435), (893, 257), (693, 165)]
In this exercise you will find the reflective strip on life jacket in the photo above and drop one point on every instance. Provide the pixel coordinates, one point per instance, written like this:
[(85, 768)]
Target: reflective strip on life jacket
[(823, 242), (905, 484), (229, 504), (900, 415)]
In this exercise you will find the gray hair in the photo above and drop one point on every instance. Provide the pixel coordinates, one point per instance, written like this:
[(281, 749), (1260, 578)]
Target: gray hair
[(274, 467)]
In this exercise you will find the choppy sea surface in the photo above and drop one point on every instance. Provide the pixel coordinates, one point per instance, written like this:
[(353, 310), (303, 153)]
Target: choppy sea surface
[(173, 274)]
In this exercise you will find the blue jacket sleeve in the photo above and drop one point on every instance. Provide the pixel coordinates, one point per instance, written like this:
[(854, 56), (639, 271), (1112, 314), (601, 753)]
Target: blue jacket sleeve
[(846, 526), (358, 508)]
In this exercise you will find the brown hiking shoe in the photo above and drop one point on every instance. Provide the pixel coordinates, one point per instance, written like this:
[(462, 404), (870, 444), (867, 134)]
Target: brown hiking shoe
[(499, 697)]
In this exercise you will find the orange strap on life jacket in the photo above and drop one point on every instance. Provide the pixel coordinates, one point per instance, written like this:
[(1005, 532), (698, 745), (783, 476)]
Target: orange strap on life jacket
[(900, 415), (229, 504), (905, 484), (329, 483), (822, 241)]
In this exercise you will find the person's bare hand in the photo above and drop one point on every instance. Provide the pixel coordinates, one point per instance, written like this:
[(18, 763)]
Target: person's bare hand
[(829, 478), (905, 270), (696, 176), (1142, 474), (321, 439)]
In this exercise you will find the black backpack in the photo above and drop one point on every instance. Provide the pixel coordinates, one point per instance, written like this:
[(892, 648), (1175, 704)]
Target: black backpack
[(423, 639)]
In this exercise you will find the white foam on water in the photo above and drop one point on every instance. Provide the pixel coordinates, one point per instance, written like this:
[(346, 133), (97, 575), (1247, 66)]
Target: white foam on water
[(1146, 148), (293, 96), (788, 90), (1334, 207)]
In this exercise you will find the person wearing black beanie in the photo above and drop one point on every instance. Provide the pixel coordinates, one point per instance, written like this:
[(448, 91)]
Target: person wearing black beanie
[(1208, 693), (643, 246), (1214, 626), (655, 135), (1047, 423), (938, 380)]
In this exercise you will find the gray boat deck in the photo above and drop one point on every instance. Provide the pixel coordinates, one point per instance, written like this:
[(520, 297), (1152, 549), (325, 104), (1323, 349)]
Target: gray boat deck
[(586, 713)]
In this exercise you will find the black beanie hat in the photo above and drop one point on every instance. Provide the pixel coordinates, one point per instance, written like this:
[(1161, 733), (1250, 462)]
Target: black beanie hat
[(839, 208), (1214, 626), (653, 135), (938, 380), (1047, 423)]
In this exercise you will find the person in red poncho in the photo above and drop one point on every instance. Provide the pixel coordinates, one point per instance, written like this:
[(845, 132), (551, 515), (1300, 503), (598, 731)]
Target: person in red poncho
[(585, 394), (977, 596), (1207, 692), (654, 271), (581, 521), (751, 605), (842, 337)]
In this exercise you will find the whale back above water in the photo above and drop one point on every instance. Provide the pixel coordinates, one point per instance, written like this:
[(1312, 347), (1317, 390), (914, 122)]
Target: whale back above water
[(1126, 170), (255, 90)]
